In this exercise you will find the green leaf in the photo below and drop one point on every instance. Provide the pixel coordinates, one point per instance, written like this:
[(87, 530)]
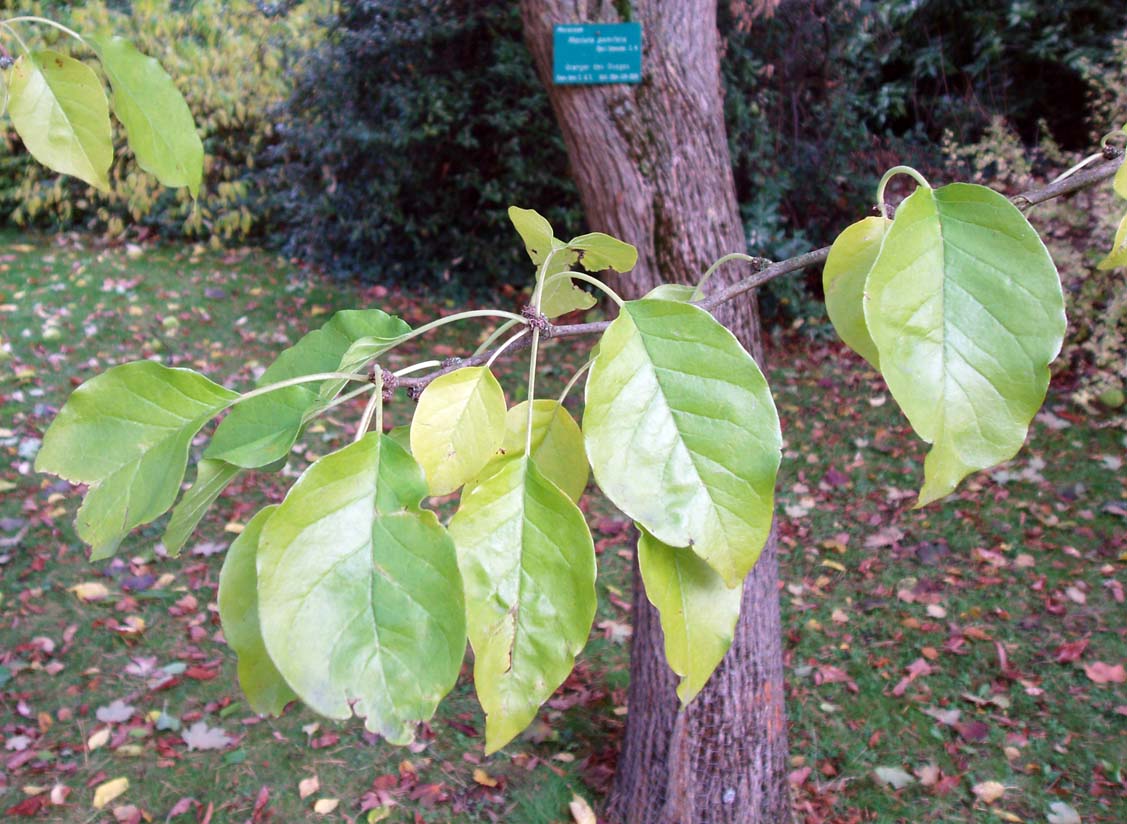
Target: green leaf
[(458, 425), (157, 120), (534, 230), (265, 689), (212, 477), (965, 307), (1118, 255), (599, 252), (361, 606), (528, 563), (557, 446), (561, 295), (679, 292), (851, 257), (126, 432), (698, 611), (1120, 181), (402, 484), (58, 107), (264, 429), (682, 433)]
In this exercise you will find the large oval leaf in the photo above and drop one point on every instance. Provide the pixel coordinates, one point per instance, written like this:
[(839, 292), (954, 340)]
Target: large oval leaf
[(361, 608), (966, 310), (126, 432), (59, 109), (264, 429), (528, 563), (158, 123), (682, 433), (557, 446), (851, 258), (458, 425), (265, 689), (698, 611), (1118, 255)]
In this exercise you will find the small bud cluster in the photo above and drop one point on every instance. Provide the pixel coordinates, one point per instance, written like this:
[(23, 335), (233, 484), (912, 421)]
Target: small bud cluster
[(536, 320), (6, 62)]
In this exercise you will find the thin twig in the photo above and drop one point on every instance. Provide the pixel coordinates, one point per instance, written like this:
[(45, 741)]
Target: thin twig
[(1083, 179)]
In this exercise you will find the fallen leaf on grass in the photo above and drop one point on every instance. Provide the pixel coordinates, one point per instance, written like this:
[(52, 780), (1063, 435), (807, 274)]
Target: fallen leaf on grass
[(1102, 673), (98, 739), (989, 791), (115, 712), (91, 591), (1061, 813), (893, 777), (483, 778), (307, 786), (107, 792), (581, 811), (200, 736), (324, 806)]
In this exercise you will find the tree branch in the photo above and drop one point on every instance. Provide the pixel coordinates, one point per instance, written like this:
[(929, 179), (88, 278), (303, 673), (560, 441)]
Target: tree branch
[(1083, 179)]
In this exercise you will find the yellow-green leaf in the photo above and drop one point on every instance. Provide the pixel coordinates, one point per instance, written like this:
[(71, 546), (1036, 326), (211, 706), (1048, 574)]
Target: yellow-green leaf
[(107, 791), (528, 565), (698, 611), (265, 689), (59, 109), (158, 123), (966, 310), (458, 425), (851, 257), (557, 446), (1118, 255)]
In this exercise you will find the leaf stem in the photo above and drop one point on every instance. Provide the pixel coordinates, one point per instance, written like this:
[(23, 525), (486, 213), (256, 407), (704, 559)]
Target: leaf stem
[(27, 18), (537, 294), (500, 349), (374, 407), (320, 376), (1067, 174), (473, 313), (891, 173), (345, 398), (418, 367), (712, 269), (574, 379), (15, 34)]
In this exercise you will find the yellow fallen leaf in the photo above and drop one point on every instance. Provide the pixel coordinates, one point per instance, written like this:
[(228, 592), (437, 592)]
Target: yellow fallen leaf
[(378, 814), (234, 527), (1006, 815), (107, 792), (98, 739), (91, 591), (989, 791), (483, 778), (324, 806), (307, 786), (834, 565), (581, 811)]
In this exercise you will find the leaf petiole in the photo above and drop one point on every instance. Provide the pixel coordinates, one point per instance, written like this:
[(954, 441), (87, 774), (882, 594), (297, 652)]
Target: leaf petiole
[(44, 21), (594, 281), (891, 173)]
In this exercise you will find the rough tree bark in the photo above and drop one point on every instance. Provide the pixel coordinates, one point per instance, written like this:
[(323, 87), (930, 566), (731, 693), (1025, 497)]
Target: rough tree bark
[(652, 166)]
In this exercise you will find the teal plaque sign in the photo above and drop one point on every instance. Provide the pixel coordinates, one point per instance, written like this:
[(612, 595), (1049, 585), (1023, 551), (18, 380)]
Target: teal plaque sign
[(586, 53)]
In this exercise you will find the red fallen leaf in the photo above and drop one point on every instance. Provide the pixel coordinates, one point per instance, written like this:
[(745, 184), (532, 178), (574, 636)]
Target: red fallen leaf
[(464, 729), (1071, 651), (1102, 673), (260, 804), (798, 777), (1004, 663), (201, 673), (972, 730), (827, 674), (917, 669), (182, 806), (29, 806), (326, 740), (945, 784)]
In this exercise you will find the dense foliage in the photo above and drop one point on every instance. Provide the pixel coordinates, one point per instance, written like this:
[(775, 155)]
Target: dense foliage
[(409, 131)]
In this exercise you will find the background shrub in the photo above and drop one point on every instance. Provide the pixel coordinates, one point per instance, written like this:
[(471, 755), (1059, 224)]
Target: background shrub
[(233, 65)]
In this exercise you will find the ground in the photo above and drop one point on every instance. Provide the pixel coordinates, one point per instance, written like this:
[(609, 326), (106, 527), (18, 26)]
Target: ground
[(964, 662)]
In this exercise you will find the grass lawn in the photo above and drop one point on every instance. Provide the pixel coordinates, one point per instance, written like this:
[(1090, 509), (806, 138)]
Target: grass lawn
[(971, 654)]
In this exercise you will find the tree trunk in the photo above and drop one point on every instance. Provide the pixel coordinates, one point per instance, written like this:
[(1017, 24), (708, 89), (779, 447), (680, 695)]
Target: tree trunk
[(652, 166)]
